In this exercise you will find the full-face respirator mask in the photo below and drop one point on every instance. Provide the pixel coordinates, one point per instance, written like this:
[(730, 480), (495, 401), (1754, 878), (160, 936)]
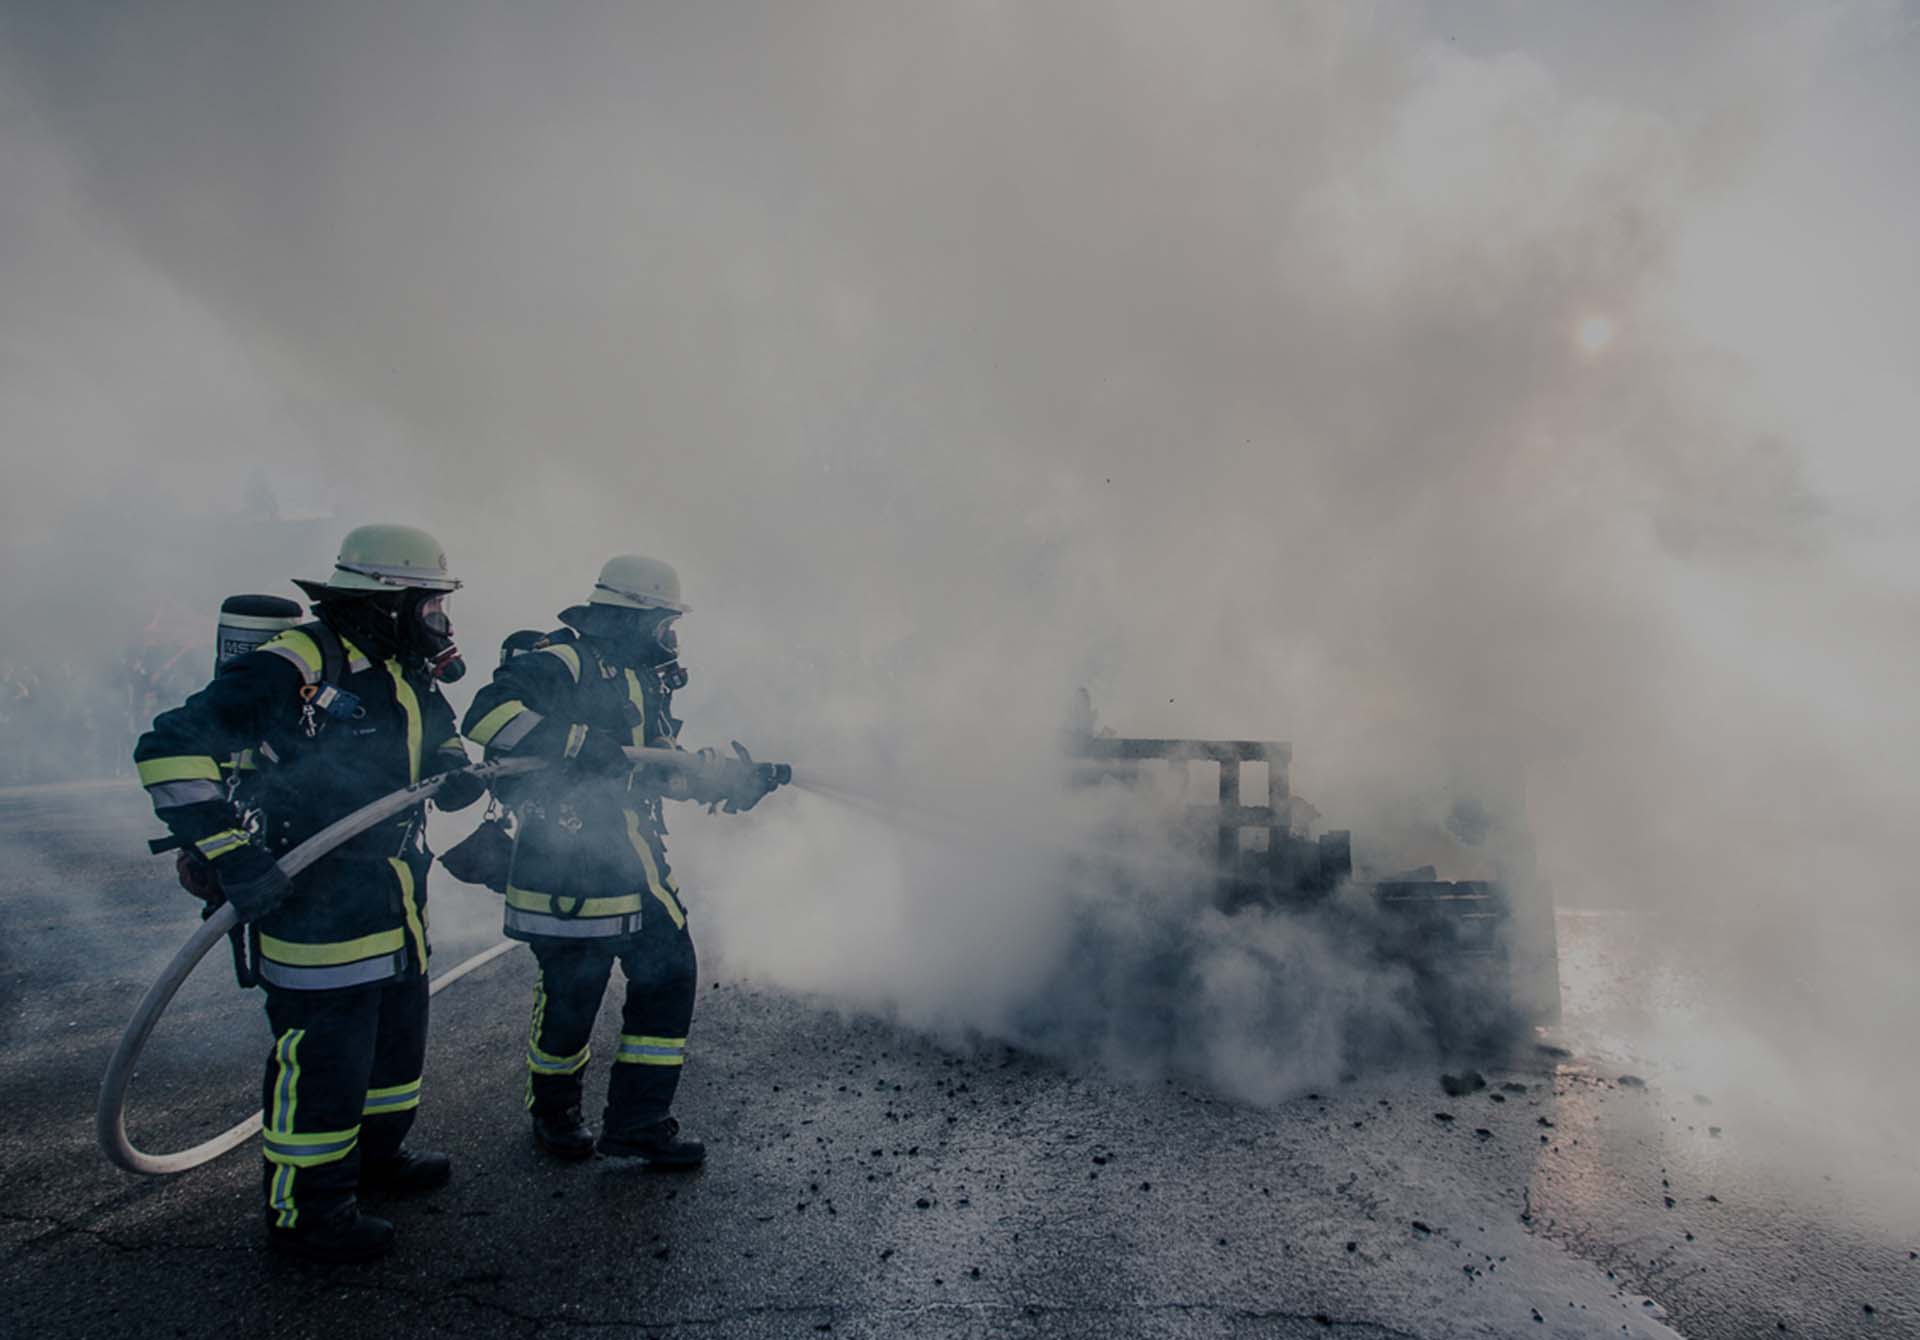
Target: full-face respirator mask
[(413, 624), (666, 650), (426, 630)]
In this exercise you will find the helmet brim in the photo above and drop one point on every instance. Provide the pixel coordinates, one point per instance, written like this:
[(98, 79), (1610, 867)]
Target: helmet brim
[(367, 578), (362, 584), (633, 600)]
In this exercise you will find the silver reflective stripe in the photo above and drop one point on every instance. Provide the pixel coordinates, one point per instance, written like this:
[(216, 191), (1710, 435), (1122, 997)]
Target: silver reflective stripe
[(294, 659), (515, 730), (646, 1049), (571, 928), (326, 979), (169, 795), (542, 1064), (221, 843), (314, 1153), (374, 1105), (277, 623)]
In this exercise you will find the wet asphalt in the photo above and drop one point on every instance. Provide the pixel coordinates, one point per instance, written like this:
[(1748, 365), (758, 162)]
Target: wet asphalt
[(869, 1181)]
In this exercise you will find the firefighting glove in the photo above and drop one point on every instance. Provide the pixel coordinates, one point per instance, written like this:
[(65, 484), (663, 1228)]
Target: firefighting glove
[(196, 876), (460, 792), (252, 881), (745, 783)]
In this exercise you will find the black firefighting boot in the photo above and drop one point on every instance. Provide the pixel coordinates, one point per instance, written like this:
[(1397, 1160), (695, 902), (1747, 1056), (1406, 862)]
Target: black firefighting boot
[(343, 1236), (406, 1173), (658, 1145), (562, 1132)]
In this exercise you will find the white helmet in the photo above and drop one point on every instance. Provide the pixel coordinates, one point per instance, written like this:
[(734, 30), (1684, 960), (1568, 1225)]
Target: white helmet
[(389, 558), (630, 581)]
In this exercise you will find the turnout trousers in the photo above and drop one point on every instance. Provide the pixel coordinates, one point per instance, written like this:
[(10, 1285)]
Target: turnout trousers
[(342, 1087), (662, 975)]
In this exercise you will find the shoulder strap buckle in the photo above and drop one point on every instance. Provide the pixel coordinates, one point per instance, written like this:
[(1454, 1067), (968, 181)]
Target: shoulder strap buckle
[(325, 694)]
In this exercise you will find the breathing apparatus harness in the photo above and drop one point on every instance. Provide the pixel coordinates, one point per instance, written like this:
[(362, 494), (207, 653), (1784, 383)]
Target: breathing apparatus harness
[(485, 856), (415, 624)]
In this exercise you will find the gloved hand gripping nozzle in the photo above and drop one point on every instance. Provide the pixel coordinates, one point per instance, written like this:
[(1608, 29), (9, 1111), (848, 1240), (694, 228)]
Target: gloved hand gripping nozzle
[(736, 784)]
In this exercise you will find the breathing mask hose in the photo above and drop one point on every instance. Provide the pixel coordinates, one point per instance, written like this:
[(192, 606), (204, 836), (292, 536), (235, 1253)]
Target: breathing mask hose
[(110, 1114)]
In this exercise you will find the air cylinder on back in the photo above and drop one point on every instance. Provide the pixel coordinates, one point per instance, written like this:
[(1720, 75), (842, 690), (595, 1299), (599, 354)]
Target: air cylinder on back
[(247, 621)]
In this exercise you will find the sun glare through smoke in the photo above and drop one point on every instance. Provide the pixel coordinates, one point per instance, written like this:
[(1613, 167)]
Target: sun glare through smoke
[(1595, 335)]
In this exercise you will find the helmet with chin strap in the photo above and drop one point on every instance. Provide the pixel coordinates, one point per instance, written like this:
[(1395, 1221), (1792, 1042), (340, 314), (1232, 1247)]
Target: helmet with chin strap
[(408, 564), (387, 558), (635, 602), (633, 581)]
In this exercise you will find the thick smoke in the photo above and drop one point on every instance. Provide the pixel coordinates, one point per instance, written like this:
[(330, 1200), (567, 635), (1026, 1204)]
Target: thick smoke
[(1297, 372)]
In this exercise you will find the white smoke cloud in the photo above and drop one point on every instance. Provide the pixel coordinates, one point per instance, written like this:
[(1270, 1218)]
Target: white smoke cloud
[(1240, 365)]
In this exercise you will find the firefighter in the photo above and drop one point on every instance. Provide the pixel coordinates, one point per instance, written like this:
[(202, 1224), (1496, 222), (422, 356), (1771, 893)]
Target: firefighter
[(589, 880), (317, 722)]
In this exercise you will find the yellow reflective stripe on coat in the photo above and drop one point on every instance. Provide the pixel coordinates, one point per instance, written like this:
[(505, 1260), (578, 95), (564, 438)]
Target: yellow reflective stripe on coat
[(639, 700), (219, 844), (529, 901), (403, 692), (295, 646), (331, 954), (415, 923), (576, 737), (636, 1049), (568, 656), (179, 768), (489, 725), (654, 885), (393, 1098)]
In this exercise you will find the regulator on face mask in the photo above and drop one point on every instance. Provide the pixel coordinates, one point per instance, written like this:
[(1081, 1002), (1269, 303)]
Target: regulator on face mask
[(672, 674), (430, 629)]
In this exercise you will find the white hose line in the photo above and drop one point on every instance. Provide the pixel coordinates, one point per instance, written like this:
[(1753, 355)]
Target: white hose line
[(110, 1115), (113, 1139)]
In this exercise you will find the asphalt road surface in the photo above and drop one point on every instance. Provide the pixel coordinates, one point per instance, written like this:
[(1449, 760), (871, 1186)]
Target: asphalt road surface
[(866, 1181)]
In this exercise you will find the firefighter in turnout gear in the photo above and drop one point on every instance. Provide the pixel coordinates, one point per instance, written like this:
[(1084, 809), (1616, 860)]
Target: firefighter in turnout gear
[(589, 880), (313, 724)]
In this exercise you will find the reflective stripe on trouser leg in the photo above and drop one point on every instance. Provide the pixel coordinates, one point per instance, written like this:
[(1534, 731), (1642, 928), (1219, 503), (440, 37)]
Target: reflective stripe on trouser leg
[(641, 1050), (393, 1098), (394, 1082), (286, 1147), (661, 971), (573, 978), (312, 1096)]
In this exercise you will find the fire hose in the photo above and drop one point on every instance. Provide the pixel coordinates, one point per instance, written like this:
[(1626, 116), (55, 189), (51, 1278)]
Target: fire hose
[(110, 1116)]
